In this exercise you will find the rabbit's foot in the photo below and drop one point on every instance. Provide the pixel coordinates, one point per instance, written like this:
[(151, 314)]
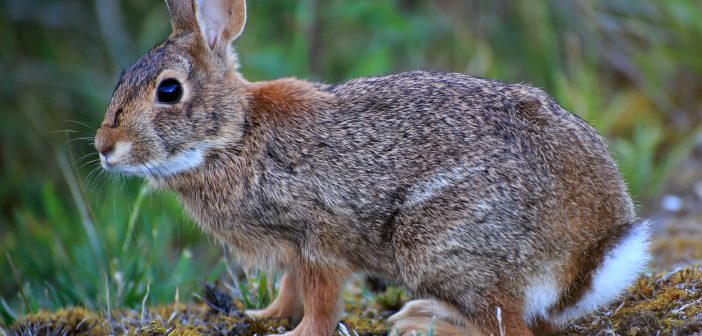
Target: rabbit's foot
[(421, 316), (287, 304), (276, 311), (309, 327)]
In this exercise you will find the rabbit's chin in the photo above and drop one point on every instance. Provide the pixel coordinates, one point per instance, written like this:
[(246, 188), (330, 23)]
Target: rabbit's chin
[(182, 161)]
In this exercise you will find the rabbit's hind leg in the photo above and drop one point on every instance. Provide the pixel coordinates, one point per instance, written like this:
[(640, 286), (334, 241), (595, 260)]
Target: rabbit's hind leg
[(421, 316), (474, 269)]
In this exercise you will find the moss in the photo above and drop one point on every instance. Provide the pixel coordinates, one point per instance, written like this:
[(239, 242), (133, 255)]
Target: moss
[(154, 328), (366, 325), (392, 299), (665, 304), (69, 321)]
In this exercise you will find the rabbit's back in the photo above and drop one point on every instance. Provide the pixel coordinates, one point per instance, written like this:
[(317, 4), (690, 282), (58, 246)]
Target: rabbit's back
[(400, 137)]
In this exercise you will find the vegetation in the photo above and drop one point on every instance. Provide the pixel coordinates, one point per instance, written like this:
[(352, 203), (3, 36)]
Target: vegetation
[(72, 235)]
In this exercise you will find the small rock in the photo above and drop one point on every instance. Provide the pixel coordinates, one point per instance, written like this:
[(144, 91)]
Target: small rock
[(672, 203)]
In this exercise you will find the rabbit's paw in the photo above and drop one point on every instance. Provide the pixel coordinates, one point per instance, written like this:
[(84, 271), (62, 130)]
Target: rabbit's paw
[(287, 304), (289, 333), (256, 313), (276, 311), (310, 328)]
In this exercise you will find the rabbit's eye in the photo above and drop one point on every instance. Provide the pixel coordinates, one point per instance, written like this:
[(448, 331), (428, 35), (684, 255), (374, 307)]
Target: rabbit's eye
[(169, 91)]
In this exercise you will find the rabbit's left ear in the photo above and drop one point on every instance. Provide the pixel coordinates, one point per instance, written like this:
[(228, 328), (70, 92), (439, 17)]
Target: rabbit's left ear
[(220, 21), (182, 15)]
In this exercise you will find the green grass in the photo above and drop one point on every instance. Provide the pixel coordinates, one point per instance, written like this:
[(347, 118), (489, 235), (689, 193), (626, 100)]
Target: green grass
[(71, 235)]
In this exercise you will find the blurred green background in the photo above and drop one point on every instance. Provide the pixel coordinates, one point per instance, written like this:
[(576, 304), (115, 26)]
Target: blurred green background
[(70, 233)]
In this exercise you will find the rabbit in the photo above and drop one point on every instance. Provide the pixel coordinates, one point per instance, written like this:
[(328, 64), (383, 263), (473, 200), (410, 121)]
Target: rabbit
[(502, 212)]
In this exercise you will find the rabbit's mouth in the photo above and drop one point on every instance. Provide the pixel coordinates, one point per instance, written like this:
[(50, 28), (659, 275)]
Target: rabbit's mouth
[(174, 163)]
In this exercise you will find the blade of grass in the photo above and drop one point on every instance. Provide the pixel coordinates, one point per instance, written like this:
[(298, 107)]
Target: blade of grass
[(19, 283), (7, 313), (262, 291), (245, 294), (133, 216), (143, 302), (83, 207)]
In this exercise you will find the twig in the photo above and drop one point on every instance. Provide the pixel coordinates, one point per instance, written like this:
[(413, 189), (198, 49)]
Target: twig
[(683, 307), (175, 306), (212, 305)]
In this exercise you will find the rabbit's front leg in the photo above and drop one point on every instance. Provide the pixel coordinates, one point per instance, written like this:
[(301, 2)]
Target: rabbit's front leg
[(321, 288), (287, 304)]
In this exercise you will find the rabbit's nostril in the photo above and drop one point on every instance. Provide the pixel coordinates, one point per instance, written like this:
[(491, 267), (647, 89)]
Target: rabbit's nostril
[(107, 151)]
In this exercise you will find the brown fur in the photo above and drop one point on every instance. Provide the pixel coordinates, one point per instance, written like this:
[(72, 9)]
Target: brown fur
[(181, 14), (321, 288), (286, 98), (462, 189)]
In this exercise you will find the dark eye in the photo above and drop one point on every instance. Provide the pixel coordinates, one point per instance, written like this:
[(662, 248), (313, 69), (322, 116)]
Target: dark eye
[(169, 91)]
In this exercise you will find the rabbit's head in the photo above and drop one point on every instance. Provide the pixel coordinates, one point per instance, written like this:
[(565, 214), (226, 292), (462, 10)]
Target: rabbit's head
[(182, 99)]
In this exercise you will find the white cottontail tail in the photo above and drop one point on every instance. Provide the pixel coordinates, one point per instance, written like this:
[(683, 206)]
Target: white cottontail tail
[(477, 195)]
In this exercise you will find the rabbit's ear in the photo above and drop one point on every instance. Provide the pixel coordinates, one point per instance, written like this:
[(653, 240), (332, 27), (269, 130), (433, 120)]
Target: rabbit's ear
[(182, 15), (220, 21)]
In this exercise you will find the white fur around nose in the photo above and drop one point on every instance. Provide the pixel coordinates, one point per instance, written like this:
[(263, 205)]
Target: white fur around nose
[(181, 161), (120, 152), (621, 267)]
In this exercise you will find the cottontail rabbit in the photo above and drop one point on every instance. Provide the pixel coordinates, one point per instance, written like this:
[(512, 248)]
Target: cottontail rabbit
[(500, 208)]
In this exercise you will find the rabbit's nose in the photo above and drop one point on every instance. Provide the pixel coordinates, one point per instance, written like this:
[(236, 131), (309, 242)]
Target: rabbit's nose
[(103, 146), (103, 143), (107, 151)]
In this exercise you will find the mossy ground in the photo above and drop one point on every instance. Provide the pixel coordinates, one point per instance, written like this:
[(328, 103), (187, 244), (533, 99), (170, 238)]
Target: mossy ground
[(663, 304)]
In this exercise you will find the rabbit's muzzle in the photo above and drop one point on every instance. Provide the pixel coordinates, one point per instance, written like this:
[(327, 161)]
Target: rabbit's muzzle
[(112, 147), (104, 141)]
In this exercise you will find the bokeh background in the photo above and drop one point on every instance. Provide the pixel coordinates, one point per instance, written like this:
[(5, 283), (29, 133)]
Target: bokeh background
[(70, 234)]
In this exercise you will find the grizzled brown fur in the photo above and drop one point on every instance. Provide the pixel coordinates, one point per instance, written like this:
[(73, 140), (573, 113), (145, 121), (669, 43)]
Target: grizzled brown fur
[(458, 187)]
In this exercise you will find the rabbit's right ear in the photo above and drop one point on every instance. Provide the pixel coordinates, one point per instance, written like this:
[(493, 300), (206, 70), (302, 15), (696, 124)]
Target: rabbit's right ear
[(182, 15)]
